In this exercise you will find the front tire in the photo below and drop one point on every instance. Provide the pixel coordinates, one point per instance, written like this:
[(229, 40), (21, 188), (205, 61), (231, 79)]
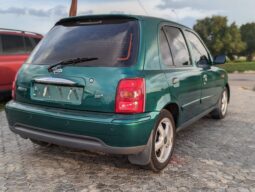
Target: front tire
[(221, 111), (163, 141)]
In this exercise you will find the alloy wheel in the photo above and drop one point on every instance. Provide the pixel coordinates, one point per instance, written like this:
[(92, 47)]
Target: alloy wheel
[(164, 140)]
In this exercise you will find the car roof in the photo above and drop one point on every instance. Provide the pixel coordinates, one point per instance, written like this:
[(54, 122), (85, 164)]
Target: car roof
[(20, 32), (120, 16)]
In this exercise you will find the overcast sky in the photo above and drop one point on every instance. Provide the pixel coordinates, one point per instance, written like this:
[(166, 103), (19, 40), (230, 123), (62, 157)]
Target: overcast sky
[(40, 15)]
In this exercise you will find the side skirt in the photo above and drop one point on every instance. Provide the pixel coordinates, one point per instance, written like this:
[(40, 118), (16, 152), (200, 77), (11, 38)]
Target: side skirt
[(194, 119)]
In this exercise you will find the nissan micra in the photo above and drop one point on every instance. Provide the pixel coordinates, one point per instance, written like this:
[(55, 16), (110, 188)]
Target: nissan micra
[(118, 84)]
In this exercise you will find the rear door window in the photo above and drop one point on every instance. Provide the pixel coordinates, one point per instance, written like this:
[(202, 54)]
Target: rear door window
[(178, 46), (12, 44), (113, 41)]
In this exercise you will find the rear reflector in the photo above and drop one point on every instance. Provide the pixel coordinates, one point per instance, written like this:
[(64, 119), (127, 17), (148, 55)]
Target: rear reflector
[(130, 96), (14, 87)]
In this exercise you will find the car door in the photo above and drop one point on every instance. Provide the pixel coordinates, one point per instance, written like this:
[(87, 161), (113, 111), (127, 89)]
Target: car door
[(184, 79), (211, 77), (12, 56)]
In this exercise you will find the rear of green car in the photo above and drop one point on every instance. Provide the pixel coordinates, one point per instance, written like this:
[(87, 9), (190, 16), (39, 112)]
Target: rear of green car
[(97, 104), (118, 84)]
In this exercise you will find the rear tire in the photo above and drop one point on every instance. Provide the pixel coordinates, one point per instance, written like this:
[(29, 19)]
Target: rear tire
[(163, 141), (221, 111), (40, 143)]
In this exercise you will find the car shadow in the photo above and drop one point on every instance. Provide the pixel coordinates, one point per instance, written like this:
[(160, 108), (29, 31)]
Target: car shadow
[(114, 161)]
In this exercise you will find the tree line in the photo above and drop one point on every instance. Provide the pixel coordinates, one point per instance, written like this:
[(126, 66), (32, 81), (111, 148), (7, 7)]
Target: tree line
[(229, 39)]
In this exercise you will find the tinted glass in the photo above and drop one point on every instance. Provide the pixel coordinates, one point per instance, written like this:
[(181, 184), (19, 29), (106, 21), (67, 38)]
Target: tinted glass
[(113, 42), (199, 52), (165, 50), (36, 40), (12, 44), (178, 46), (29, 45)]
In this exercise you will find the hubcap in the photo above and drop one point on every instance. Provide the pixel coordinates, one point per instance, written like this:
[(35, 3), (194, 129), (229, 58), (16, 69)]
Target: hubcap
[(224, 103), (163, 140)]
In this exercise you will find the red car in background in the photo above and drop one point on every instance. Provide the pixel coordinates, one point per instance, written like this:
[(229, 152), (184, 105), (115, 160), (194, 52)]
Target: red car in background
[(15, 47)]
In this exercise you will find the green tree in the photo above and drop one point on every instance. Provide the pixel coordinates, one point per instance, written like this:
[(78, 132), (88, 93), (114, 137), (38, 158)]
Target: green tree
[(248, 36), (220, 37)]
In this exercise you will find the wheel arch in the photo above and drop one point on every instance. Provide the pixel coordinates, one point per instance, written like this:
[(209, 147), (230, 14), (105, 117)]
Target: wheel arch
[(228, 89), (174, 109)]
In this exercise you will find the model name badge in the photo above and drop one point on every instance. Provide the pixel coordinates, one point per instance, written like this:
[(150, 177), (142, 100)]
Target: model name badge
[(57, 93)]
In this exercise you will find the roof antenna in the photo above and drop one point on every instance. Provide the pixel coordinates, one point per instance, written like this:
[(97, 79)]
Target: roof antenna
[(73, 9), (143, 8)]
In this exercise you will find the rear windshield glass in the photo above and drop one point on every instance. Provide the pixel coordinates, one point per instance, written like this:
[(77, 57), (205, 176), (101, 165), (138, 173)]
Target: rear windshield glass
[(112, 42)]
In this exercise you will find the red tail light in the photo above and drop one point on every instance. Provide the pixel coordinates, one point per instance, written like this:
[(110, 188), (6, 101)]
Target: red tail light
[(130, 97), (14, 87)]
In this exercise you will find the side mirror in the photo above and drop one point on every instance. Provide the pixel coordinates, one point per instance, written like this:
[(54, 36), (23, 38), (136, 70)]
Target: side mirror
[(204, 63), (204, 66), (220, 59)]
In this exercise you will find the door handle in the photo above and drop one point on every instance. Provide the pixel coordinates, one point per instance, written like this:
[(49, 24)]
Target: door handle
[(175, 80), (205, 78)]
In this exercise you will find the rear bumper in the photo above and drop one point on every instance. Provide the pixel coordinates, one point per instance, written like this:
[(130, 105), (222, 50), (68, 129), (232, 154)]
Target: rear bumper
[(111, 133), (74, 141)]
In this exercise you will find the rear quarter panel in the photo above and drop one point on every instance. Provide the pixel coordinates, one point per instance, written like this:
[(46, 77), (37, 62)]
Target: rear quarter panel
[(157, 88), (9, 65)]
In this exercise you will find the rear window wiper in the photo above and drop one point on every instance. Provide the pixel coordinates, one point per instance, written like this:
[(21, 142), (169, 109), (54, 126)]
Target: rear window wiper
[(70, 62)]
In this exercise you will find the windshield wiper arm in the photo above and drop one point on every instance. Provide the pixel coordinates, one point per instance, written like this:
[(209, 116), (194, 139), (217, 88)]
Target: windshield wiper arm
[(71, 62)]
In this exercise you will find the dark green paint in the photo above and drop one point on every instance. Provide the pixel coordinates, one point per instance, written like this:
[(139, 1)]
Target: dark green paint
[(95, 117)]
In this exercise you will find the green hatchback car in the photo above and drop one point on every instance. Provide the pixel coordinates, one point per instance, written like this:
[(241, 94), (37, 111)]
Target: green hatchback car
[(120, 84)]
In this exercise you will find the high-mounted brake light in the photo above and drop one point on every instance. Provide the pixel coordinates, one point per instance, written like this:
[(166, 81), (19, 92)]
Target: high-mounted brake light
[(129, 50), (130, 96), (14, 87)]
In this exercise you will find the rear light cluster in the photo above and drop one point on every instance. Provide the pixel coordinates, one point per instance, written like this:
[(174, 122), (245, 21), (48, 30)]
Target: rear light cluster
[(14, 87), (130, 96)]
